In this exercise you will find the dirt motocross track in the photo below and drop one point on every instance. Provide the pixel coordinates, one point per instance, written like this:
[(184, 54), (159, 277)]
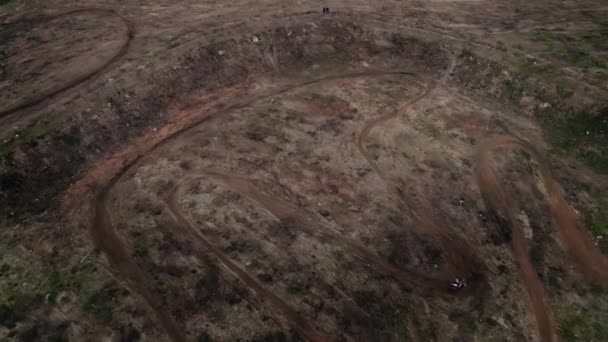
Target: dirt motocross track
[(234, 173)]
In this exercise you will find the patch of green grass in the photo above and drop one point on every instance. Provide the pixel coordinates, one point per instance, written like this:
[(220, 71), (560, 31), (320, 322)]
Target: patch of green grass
[(500, 45), (208, 285), (29, 134), (491, 322), (129, 333), (16, 304), (577, 327), (582, 136), (596, 219), (565, 88), (512, 91), (4, 270), (466, 52), (600, 330), (101, 303), (394, 328), (204, 337), (524, 155), (503, 269), (5, 2), (603, 29), (575, 51), (296, 286), (529, 66), (52, 285), (140, 243), (338, 256)]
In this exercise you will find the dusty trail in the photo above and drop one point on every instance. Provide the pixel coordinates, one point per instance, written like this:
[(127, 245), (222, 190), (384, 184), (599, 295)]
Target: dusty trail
[(282, 210), (207, 250), (107, 241), (102, 229), (589, 257), (460, 253), (41, 97)]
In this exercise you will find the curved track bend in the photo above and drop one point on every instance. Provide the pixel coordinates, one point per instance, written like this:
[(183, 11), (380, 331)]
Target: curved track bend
[(105, 237), (50, 93), (591, 260), (458, 250)]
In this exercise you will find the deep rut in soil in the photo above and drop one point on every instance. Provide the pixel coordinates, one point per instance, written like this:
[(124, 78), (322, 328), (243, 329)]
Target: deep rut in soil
[(588, 256), (460, 253), (207, 251), (105, 238), (41, 97), (282, 210)]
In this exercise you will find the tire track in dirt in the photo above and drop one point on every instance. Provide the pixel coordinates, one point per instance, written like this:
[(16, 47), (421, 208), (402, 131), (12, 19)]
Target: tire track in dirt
[(455, 246), (590, 259), (48, 94), (102, 229), (207, 250), (461, 254), (283, 210), (105, 239)]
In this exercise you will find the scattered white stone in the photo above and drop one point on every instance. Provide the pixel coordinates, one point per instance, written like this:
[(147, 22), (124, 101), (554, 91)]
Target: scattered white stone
[(221, 52), (545, 105), (255, 39)]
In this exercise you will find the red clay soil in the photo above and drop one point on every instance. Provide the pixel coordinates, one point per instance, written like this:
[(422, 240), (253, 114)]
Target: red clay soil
[(591, 260), (107, 240)]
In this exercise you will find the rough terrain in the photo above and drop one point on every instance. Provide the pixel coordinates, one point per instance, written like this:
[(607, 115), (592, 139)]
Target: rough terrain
[(191, 170)]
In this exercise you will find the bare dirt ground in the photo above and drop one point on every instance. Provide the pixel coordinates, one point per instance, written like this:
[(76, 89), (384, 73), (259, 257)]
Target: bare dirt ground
[(197, 170)]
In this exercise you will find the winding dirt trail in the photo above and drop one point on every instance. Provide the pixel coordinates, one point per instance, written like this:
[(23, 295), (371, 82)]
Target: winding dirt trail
[(460, 255), (283, 210), (50, 93), (107, 241), (102, 229), (207, 250), (590, 259)]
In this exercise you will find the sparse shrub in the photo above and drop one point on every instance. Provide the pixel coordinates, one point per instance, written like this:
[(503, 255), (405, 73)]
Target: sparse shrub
[(466, 52), (208, 285), (129, 334), (101, 303), (500, 45)]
